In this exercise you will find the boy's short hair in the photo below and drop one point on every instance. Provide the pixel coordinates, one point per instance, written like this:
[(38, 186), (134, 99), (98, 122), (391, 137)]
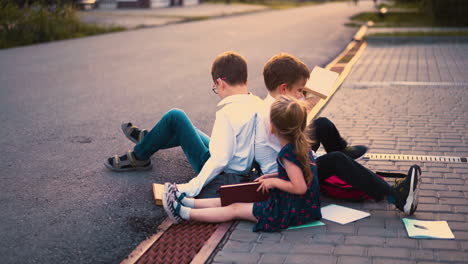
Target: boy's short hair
[(284, 68), (231, 67)]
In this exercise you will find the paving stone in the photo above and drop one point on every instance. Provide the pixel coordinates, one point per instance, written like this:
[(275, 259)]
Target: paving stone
[(378, 231), (273, 247), (270, 237), (439, 244), (229, 257), (448, 194), (424, 255), (453, 256), (312, 259), (244, 235), (350, 250), (454, 201), (312, 248), (272, 259), (328, 239), (401, 242), (364, 240), (237, 246), (459, 235), (341, 229), (296, 236), (391, 261), (458, 226), (435, 208), (389, 252), (353, 260), (461, 209)]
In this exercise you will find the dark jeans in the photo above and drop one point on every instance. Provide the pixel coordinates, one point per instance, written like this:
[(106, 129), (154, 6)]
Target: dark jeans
[(324, 132), (347, 169)]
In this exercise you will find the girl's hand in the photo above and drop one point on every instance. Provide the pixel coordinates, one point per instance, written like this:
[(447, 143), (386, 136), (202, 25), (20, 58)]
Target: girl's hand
[(266, 185)]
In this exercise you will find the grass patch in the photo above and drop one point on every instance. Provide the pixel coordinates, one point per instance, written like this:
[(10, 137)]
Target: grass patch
[(409, 5), (40, 23), (273, 4), (422, 34), (396, 19)]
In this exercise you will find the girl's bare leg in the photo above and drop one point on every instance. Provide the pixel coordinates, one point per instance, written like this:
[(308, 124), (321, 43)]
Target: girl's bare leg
[(222, 214), (207, 203)]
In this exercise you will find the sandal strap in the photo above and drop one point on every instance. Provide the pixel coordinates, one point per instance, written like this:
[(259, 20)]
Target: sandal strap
[(129, 129), (142, 134), (181, 197), (177, 208), (117, 162), (131, 158)]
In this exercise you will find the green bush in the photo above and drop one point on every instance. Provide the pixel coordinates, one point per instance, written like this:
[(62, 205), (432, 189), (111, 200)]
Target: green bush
[(443, 12), (447, 12), (38, 23)]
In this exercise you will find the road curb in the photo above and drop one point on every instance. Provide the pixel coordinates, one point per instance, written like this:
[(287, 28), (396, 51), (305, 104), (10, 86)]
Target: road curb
[(342, 64), (350, 54)]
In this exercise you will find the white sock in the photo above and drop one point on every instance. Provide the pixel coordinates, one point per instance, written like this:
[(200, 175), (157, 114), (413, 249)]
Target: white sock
[(184, 212), (187, 201)]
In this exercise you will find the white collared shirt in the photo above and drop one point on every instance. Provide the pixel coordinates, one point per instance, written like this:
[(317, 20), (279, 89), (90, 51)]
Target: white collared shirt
[(231, 143), (267, 145)]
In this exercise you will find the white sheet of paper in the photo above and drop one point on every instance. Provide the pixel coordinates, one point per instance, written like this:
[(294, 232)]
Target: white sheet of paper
[(321, 82), (342, 215), (428, 229)]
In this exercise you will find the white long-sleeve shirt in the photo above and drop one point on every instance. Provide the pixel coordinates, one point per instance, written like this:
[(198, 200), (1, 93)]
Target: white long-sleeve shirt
[(267, 145), (232, 141)]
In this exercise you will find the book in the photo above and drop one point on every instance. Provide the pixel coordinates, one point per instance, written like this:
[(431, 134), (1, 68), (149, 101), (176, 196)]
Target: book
[(428, 229), (321, 82), (241, 193), (158, 190), (342, 215)]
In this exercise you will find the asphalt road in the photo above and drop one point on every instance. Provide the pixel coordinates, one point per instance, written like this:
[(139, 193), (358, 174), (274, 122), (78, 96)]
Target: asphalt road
[(61, 105)]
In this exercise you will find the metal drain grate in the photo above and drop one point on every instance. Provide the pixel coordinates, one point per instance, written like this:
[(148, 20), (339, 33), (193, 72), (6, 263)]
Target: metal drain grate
[(400, 157), (370, 156), (179, 244)]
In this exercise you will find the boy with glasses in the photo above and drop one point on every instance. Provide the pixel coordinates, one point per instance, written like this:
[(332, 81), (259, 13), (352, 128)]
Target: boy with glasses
[(230, 149)]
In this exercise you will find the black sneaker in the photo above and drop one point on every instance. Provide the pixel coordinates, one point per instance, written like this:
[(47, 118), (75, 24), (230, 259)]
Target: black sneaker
[(406, 191), (355, 152)]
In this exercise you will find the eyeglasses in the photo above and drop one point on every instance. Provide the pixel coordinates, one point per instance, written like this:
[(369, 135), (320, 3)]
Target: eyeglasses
[(215, 83)]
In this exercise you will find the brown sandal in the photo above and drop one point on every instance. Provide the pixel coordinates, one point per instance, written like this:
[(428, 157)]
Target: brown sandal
[(127, 163)]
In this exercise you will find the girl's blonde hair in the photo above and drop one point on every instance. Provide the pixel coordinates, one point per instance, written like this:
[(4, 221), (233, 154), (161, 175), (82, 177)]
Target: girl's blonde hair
[(289, 119)]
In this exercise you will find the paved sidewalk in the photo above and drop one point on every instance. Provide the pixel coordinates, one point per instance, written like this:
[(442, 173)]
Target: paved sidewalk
[(376, 30), (134, 18), (424, 113)]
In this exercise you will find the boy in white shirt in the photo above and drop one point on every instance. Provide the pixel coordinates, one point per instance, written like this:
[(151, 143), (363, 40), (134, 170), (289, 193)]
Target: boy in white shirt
[(230, 149), (286, 75)]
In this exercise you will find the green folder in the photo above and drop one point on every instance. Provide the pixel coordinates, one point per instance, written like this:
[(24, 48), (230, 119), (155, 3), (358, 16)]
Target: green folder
[(428, 229), (311, 224)]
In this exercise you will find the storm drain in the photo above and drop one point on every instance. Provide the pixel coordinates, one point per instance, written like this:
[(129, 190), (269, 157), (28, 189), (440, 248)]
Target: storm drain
[(179, 243), (422, 158)]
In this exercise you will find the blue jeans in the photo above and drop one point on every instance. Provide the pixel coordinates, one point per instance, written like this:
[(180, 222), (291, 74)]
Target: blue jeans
[(173, 130)]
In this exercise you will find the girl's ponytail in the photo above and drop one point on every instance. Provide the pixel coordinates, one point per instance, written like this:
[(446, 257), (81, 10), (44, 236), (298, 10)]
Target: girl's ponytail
[(289, 117)]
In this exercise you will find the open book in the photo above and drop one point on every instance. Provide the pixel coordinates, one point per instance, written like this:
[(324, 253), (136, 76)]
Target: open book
[(321, 82), (241, 193)]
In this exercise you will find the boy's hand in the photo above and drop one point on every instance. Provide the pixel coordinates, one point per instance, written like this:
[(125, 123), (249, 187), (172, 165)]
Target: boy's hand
[(266, 176), (265, 185)]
